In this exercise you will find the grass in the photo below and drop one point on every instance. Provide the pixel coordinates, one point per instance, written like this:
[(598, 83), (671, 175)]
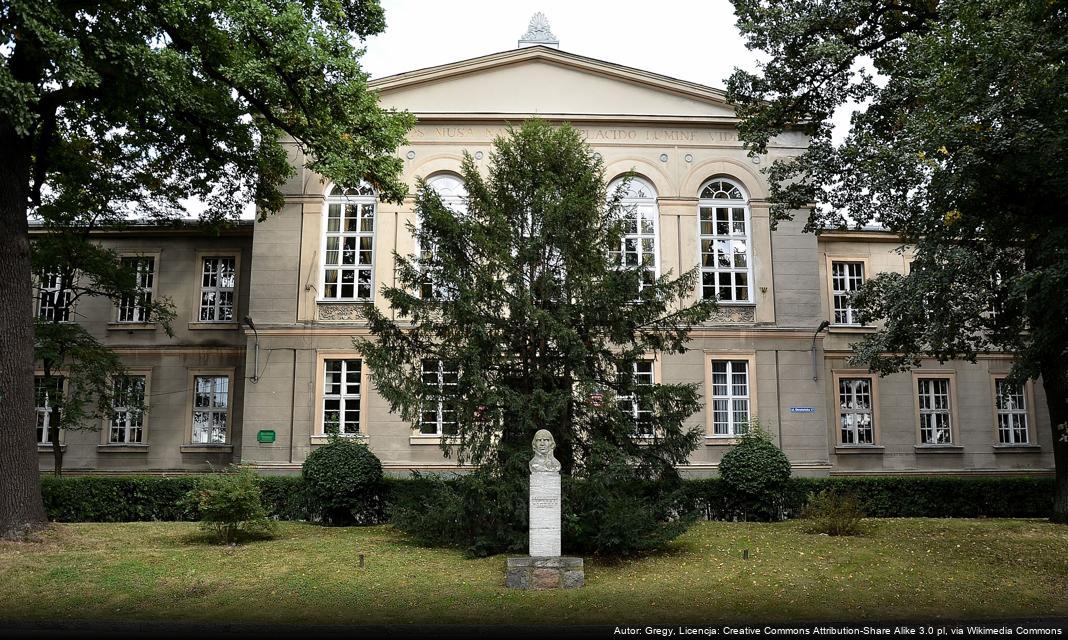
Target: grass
[(902, 568)]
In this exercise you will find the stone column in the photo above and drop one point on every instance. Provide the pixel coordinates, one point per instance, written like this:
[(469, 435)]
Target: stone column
[(544, 513)]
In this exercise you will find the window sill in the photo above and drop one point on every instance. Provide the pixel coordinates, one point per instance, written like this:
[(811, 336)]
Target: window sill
[(207, 448), (323, 439), (849, 328), (939, 448), (348, 301), (47, 448), (729, 303), (721, 441), (122, 448), (214, 326), (431, 440), (1017, 448), (131, 326), (851, 449)]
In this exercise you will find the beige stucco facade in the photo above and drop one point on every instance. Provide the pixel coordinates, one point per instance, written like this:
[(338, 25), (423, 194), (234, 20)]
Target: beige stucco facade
[(675, 135)]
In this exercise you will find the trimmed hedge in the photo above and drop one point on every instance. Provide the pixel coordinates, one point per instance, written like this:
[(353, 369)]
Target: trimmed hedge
[(145, 498)]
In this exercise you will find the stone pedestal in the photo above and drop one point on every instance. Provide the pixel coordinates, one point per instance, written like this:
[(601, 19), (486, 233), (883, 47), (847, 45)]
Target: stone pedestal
[(544, 513), (534, 572)]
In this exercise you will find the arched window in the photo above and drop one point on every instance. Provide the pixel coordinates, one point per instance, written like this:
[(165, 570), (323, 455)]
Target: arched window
[(450, 188), (725, 239), (641, 233), (348, 243)]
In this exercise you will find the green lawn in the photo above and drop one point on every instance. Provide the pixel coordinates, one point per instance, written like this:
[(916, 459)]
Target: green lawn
[(906, 568)]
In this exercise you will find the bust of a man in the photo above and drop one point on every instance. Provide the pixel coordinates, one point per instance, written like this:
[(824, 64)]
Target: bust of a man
[(543, 459)]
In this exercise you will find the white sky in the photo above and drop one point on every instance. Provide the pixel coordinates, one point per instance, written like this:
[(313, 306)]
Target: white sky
[(685, 39)]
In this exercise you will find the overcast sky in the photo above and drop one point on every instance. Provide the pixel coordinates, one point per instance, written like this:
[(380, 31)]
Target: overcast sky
[(685, 39)]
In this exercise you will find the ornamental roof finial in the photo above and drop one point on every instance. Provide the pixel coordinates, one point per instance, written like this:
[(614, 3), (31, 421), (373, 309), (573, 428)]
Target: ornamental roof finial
[(538, 33)]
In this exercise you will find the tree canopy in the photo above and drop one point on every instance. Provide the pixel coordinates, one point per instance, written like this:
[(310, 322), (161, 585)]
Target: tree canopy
[(111, 109), (528, 307), (960, 146)]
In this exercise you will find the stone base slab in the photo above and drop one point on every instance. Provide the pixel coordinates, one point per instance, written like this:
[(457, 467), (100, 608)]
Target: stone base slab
[(545, 572)]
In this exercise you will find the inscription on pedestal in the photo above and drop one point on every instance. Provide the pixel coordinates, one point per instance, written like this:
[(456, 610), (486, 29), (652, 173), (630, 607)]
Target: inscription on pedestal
[(545, 513)]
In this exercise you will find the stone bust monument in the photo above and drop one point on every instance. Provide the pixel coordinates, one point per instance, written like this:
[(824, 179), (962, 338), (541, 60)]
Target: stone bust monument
[(543, 459)]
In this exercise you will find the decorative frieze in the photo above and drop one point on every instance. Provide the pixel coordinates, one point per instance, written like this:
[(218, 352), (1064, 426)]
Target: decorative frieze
[(733, 315), (341, 312)]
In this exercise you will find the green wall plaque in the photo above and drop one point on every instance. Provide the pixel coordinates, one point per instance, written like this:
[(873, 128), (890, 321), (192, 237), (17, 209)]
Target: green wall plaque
[(265, 436)]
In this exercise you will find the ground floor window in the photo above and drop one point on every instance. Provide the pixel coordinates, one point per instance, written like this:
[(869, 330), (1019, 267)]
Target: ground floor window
[(730, 397), (341, 396), (127, 405), (437, 415), (855, 411), (46, 393), (639, 405), (935, 412), (211, 408), (1011, 404)]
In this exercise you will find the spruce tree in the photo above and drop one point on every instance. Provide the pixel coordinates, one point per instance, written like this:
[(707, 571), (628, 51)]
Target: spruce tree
[(526, 299)]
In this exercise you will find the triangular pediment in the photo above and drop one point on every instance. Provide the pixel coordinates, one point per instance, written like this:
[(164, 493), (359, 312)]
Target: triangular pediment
[(545, 81)]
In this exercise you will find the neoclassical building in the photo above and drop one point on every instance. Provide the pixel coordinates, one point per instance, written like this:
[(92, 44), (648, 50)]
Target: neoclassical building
[(264, 393)]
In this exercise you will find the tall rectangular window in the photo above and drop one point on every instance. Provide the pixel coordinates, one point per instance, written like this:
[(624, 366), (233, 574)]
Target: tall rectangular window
[(724, 237), (639, 405), (1011, 404), (936, 425), (437, 415), (846, 277), (127, 404), (349, 253), (47, 392), (218, 275), (53, 300), (341, 396), (135, 306), (730, 397), (211, 409), (855, 411)]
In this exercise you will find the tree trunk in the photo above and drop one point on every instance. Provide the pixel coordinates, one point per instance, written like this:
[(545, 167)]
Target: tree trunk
[(21, 507), (1054, 383)]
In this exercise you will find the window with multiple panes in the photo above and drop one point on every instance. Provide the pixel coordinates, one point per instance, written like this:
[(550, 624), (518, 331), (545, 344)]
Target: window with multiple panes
[(53, 299), (135, 306), (437, 415), (935, 412), (453, 195), (724, 237), (341, 396), (47, 392), (639, 247), (846, 277), (127, 405), (211, 408), (730, 397), (639, 405), (348, 244), (218, 275), (855, 411), (1011, 406)]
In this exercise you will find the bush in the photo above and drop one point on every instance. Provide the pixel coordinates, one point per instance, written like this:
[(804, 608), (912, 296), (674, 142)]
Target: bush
[(344, 482), (834, 512), (117, 499), (230, 506), (757, 472)]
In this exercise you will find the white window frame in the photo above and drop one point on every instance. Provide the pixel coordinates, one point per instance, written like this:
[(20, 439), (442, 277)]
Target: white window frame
[(145, 294), (52, 297), (709, 199), (344, 397), (640, 200), (453, 193), (644, 372), (731, 398), (441, 373), (852, 411), (43, 413), (217, 289), (1002, 414), (126, 420), (214, 411), (361, 197), (845, 316), (928, 415)]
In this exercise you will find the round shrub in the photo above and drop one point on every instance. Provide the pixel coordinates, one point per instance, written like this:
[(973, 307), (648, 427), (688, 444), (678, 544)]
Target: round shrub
[(345, 479), (755, 473)]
